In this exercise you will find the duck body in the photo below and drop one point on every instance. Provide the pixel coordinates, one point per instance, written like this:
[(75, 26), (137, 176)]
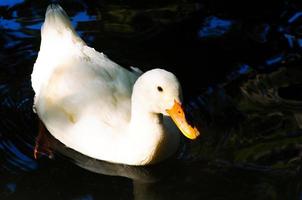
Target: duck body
[(94, 106)]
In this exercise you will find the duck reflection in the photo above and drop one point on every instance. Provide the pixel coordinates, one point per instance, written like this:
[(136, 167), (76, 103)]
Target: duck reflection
[(139, 174), (145, 181)]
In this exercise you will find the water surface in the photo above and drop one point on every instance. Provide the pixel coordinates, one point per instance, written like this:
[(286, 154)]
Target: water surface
[(241, 76)]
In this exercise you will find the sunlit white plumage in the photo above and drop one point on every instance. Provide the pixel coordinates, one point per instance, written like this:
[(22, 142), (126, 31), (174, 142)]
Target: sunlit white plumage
[(95, 106)]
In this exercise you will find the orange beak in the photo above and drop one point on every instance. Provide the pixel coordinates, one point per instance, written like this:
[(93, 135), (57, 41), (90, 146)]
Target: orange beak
[(178, 116)]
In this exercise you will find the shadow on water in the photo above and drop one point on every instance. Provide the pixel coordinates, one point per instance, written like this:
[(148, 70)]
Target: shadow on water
[(249, 108)]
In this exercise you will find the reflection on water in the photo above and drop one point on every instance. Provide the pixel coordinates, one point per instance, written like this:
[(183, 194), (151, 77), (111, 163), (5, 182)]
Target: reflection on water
[(249, 109), (10, 3), (214, 27)]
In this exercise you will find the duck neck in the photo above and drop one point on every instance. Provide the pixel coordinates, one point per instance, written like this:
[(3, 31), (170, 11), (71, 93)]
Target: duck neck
[(146, 132), (142, 117)]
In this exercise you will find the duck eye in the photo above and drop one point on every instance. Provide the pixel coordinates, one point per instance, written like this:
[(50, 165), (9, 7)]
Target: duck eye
[(160, 89)]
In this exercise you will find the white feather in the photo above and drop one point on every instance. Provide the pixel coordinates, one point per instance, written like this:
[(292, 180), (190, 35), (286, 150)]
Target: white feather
[(86, 100)]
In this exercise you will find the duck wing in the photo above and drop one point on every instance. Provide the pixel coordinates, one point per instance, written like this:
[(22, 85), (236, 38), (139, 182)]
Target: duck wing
[(73, 82)]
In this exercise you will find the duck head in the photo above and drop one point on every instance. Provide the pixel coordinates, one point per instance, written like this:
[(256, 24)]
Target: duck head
[(159, 92)]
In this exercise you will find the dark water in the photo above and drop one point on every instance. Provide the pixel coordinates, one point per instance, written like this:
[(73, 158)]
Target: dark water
[(240, 67)]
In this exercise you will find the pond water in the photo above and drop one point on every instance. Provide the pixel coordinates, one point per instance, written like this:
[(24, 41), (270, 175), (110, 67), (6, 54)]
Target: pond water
[(240, 68)]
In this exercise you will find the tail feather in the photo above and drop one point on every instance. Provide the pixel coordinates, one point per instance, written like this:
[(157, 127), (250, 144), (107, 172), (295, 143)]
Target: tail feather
[(57, 20), (59, 41)]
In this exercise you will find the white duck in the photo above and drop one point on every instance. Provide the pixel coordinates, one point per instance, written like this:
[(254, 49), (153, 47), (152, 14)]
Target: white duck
[(100, 109)]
